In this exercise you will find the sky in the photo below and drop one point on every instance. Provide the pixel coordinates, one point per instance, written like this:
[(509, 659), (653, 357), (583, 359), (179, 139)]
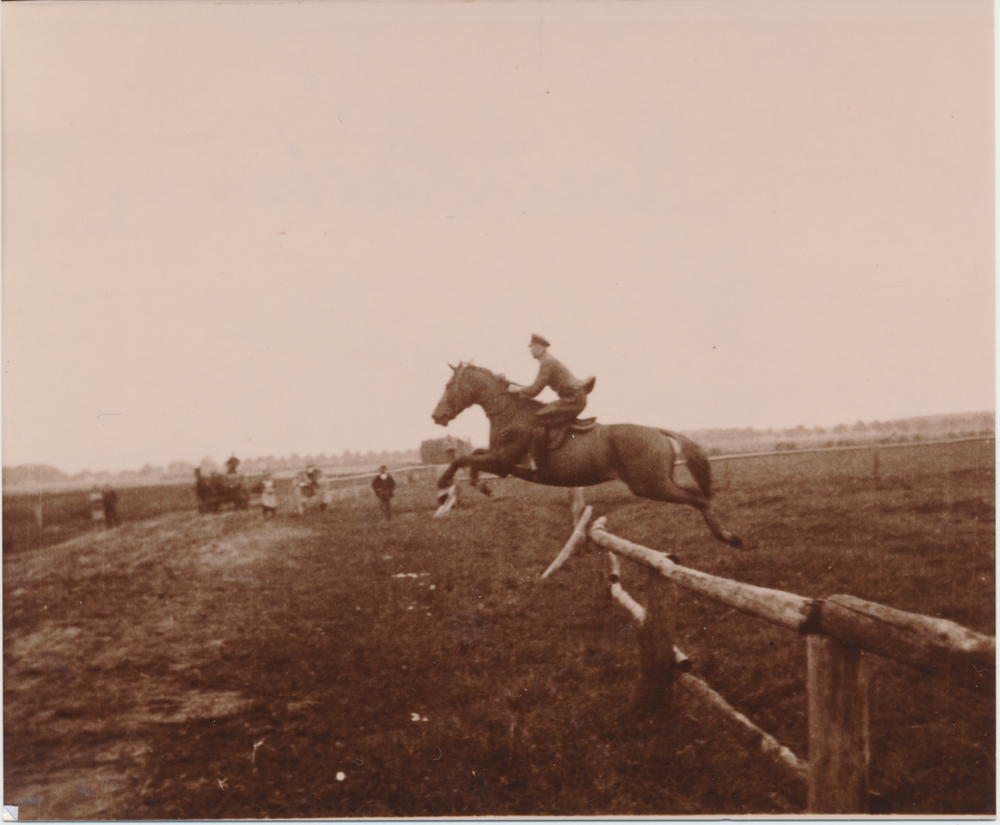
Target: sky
[(267, 228)]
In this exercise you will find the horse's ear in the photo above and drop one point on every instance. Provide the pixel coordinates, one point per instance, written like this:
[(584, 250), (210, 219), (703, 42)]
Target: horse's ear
[(453, 369)]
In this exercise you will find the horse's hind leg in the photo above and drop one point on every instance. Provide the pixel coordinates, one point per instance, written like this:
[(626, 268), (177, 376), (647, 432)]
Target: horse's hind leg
[(654, 480), (720, 532), (673, 493)]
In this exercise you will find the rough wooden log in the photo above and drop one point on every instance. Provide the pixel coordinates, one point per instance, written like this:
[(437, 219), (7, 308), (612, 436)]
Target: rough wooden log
[(776, 606), (620, 595), (576, 504), (616, 568), (748, 733), (655, 691), (681, 660), (576, 539), (838, 727), (744, 729), (936, 646)]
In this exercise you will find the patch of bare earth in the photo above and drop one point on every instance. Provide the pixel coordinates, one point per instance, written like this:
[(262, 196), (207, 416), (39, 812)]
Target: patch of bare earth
[(105, 636)]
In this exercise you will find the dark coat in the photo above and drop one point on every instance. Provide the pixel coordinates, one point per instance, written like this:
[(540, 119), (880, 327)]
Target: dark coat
[(384, 485)]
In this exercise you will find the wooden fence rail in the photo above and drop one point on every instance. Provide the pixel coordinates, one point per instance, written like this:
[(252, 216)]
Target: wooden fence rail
[(874, 445), (840, 631)]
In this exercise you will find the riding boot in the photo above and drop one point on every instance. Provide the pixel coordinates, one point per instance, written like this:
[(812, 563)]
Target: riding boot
[(539, 443)]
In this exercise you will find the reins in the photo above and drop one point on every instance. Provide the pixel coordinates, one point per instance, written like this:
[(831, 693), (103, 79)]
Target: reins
[(494, 397)]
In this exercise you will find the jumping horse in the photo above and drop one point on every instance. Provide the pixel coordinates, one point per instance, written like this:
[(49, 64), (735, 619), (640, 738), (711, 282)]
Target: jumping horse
[(642, 457)]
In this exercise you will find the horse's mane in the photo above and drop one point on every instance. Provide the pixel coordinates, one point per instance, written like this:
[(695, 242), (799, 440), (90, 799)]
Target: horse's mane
[(502, 382), (498, 377)]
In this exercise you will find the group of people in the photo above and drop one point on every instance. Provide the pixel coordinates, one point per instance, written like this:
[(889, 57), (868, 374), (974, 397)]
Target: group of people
[(383, 485)]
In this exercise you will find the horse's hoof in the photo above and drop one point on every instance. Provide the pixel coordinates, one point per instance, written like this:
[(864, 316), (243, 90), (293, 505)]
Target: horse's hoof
[(442, 497), (735, 542)]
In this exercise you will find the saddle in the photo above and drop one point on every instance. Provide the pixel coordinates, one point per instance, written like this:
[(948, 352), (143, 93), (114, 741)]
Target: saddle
[(555, 436), (549, 438)]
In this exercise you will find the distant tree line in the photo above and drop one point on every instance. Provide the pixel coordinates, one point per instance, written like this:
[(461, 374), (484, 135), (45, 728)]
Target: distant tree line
[(437, 451), (35, 474), (974, 423), (925, 428)]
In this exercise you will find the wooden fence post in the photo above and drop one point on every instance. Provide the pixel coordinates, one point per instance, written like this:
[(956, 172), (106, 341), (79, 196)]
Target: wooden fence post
[(838, 727), (656, 640), (576, 504)]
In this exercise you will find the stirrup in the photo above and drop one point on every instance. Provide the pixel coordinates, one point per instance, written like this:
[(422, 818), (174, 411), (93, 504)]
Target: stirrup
[(528, 463)]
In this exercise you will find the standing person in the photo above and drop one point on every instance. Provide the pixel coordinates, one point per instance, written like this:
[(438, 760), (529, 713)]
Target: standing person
[(96, 505), (231, 464), (314, 473), (571, 402), (384, 486), (269, 498), (109, 499)]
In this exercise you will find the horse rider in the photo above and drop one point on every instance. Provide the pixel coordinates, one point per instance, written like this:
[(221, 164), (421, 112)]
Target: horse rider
[(571, 402)]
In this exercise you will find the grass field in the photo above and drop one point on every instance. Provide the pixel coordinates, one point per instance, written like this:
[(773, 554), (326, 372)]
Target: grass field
[(338, 665)]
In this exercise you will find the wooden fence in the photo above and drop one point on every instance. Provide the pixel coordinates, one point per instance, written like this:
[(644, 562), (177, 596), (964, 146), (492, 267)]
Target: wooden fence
[(840, 631), (875, 460)]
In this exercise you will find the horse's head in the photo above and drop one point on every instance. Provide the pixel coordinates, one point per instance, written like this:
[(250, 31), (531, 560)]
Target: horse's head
[(470, 384), (456, 398)]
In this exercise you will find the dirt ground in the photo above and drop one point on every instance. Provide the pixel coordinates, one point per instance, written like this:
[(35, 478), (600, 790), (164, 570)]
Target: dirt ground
[(189, 666), (112, 626)]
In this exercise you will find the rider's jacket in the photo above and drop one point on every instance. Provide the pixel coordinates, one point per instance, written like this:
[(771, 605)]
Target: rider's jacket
[(553, 373)]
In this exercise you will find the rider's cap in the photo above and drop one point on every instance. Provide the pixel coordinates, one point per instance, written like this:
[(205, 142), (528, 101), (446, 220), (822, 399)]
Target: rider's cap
[(537, 339)]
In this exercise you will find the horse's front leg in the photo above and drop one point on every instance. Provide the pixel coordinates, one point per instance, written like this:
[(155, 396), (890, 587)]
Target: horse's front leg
[(499, 462), (474, 479), (449, 474)]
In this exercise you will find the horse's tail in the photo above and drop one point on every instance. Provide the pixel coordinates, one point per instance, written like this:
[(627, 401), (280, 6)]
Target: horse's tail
[(697, 462)]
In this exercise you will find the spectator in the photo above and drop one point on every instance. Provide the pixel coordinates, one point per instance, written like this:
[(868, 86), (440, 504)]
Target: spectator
[(96, 505), (269, 498), (384, 486), (314, 474), (231, 464), (109, 498)]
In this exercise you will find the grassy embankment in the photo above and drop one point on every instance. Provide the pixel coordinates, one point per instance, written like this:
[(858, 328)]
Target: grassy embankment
[(215, 666)]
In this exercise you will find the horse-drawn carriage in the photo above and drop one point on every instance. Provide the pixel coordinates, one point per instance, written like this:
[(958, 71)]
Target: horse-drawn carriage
[(214, 490)]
